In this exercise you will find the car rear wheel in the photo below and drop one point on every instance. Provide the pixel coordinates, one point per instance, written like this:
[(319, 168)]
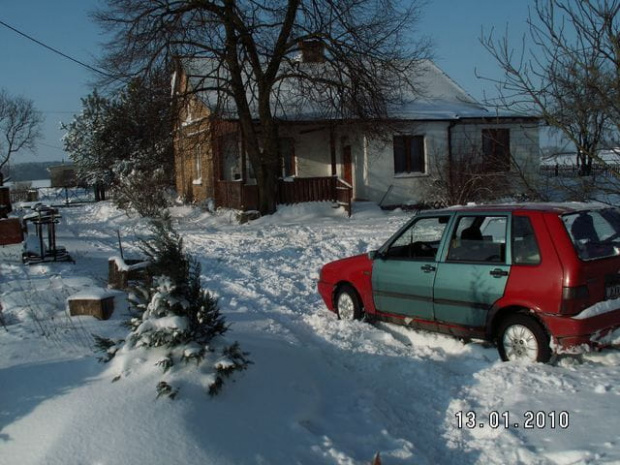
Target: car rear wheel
[(522, 338), (348, 305)]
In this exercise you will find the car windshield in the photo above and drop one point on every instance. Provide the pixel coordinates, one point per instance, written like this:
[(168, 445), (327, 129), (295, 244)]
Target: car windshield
[(595, 233)]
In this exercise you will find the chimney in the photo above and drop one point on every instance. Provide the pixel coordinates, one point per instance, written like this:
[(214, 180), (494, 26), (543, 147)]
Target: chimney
[(312, 51)]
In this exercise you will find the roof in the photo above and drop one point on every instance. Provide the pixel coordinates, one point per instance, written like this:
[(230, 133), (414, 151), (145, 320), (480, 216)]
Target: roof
[(560, 208), (437, 96), (607, 156)]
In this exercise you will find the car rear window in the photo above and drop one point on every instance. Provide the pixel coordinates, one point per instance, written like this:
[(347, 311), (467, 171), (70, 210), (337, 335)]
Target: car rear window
[(595, 233)]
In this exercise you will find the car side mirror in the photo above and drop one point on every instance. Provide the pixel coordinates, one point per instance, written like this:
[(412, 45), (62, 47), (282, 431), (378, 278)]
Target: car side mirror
[(373, 254)]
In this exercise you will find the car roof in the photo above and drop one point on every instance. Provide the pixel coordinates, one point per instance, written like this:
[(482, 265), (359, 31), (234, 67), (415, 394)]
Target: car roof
[(558, 208)]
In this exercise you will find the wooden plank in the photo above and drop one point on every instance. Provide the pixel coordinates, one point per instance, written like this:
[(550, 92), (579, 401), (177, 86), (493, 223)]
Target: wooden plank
[(11, 231)]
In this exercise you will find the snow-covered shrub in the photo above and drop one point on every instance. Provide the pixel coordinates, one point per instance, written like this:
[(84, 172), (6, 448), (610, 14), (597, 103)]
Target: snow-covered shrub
[(122, 141), (177, 318), (141, 189)]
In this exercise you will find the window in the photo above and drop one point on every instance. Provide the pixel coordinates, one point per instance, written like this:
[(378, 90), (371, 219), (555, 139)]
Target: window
[(409, 154), (595, 233), (496, 149), (420, 240), (525, 249), (230, 157), (479, 239)]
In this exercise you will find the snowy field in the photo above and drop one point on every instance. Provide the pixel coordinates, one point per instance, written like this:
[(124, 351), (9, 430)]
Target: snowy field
[(319, 391)]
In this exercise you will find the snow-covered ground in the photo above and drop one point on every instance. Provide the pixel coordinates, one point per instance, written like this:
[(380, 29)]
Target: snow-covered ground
[(319, 391)]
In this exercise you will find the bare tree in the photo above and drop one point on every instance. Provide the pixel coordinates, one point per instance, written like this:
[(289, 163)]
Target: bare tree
[(568, 70), (367, 56), (19, 127)]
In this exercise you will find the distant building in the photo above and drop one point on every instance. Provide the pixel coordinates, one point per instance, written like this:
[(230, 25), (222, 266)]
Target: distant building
[(567, 163), (64, 175)]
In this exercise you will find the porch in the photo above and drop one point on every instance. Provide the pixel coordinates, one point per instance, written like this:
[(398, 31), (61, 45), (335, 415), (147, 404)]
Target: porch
[(241, 196)]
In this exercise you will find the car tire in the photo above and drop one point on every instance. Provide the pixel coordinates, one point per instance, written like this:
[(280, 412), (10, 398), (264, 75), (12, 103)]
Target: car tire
[(348, 304), (522, 338)]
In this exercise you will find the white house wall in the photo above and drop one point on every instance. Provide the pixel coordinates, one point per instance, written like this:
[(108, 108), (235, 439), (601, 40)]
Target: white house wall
[(373, 157), (379, 181), (524, 145), (312, 150)]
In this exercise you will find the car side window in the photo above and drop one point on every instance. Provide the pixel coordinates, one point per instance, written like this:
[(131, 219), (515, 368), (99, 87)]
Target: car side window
[(420, 240), (525, 250), (479, 238)]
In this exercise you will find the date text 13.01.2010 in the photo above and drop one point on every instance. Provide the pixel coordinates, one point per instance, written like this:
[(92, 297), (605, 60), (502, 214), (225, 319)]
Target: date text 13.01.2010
[(529, 420)]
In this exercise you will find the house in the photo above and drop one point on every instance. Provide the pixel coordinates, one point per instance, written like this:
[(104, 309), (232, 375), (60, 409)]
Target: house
[(64, 175), (330, 158), (567, 164)]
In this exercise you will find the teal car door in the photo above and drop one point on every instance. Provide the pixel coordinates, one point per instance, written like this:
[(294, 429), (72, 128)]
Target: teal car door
[(475, 270), (404, 269)]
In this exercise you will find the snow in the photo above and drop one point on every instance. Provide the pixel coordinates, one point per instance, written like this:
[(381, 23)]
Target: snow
[(610, 157), (94, 293), (318, 391), (122, 265), (599, 308), (167, 322)]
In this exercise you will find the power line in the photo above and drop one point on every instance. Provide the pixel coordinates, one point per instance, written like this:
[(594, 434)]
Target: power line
[(51, 146), (52, 49)]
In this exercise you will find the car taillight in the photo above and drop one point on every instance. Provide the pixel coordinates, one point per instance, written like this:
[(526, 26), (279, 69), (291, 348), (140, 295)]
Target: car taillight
[(574, 299)]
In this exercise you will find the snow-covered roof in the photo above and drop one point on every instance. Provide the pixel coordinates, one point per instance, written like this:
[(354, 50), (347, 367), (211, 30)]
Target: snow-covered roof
[(436, 96), (607, 156)]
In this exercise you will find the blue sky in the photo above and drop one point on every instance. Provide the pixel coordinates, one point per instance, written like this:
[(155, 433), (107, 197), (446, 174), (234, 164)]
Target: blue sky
[(56, 84)]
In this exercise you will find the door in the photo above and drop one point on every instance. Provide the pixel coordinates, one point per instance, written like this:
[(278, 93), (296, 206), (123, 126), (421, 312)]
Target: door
[(347, 165), (404, 269), (475, 271)]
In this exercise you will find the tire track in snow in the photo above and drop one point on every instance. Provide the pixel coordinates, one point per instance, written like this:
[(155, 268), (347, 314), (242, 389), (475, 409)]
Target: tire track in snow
[(272, 272)]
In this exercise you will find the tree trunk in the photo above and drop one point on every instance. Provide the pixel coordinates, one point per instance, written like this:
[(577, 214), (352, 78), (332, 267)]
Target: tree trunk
[(267, 181)]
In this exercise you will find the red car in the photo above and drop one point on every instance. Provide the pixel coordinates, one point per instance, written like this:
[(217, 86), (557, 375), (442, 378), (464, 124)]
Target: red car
[(534, 278)]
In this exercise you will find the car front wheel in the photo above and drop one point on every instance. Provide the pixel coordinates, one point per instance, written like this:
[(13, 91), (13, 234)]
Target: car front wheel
[(348, 305), (522, 338)]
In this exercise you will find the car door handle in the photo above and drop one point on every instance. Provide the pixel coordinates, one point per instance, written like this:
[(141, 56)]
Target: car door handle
[(428, 268), (498, 273)]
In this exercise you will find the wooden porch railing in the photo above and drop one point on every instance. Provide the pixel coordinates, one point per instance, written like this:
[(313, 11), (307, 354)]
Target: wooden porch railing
[(316, 189), (235, 194)]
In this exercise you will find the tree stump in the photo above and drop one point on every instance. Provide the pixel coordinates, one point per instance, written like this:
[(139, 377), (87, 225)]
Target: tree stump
[(96, 302), (122, 272)]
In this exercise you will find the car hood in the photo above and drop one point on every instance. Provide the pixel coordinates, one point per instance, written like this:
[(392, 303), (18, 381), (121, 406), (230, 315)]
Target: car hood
[(345, 267)]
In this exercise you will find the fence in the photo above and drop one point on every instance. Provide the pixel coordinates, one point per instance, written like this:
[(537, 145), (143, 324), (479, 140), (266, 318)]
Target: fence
[(54, 196), (317, 189), (572, 171), (235, 194)]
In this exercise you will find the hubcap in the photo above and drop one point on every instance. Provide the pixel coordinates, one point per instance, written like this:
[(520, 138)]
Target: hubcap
[(520, 343), (346, 307)]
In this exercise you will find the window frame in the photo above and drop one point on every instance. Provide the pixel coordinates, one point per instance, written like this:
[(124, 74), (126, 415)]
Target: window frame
[(407, 154), (230, 158), (434, 244), (496, 149), (477, 220)]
